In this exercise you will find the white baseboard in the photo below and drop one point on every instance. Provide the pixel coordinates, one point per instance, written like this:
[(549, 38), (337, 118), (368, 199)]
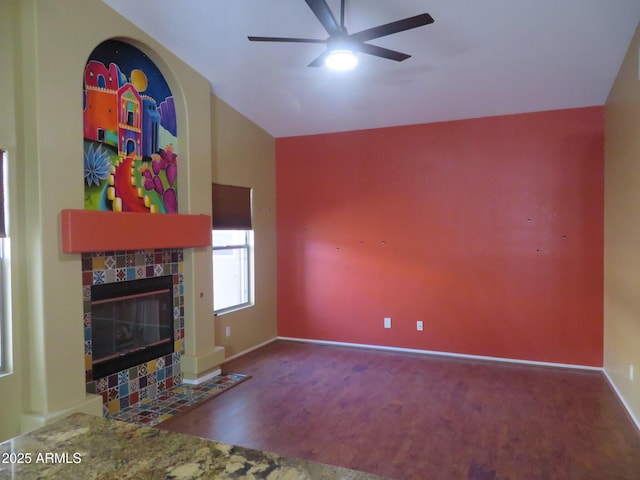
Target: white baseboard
[(244, 352), (444, 354), (621, 398), (204, 378)]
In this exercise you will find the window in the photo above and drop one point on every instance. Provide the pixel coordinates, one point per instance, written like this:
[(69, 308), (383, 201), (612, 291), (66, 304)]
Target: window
[(232, 247), (4, 249), (232, 279)]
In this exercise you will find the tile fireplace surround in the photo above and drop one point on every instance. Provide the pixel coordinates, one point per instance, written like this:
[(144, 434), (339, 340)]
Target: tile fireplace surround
[(147, 380)]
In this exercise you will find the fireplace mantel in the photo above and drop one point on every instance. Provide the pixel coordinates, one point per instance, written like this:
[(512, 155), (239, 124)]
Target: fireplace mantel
[(95, 231)]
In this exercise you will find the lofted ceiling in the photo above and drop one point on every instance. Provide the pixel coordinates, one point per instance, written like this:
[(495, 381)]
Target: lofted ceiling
[(477, 59)]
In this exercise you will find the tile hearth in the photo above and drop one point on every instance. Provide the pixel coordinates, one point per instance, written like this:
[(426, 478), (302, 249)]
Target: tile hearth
[(177, 400)]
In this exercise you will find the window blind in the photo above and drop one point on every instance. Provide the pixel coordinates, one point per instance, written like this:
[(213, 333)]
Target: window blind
[(231, 207)]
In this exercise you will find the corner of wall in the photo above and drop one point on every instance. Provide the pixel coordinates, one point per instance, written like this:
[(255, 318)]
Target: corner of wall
[(622, 232)]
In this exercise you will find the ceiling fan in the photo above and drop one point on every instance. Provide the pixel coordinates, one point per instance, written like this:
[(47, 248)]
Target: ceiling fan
[(341, 42)]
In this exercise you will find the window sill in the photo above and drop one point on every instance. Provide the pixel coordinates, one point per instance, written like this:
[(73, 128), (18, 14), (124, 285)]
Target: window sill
[(235, 308)]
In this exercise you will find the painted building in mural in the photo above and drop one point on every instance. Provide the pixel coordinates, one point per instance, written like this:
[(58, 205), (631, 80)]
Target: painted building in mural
[(130, 133)]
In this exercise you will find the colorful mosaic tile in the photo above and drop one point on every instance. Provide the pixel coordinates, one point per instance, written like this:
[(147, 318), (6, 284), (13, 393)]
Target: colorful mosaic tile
[(101, 385), (98, 262), (128, 387), (123, 377), (134, 385), (113, 394), (98, 277), (151, 410), (87, 263), (130, 259), (109, 263), (121, 275), (110, 276), (153, 391)]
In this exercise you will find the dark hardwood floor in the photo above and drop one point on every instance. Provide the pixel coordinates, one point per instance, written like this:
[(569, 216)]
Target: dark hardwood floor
[(410, 416)]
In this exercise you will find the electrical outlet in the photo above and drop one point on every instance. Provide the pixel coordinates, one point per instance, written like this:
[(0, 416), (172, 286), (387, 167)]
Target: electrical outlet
[(227, 331), (419, 325), (387, 322), (631, 372)]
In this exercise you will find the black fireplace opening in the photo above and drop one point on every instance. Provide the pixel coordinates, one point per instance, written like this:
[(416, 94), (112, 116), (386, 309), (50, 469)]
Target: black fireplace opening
[(131, 323)]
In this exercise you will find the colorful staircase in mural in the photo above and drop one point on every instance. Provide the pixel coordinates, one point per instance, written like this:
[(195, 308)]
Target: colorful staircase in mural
[(127, 197)]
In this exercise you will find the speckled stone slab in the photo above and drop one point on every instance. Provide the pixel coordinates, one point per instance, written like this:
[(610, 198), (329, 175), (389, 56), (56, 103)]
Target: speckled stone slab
[(84, 447)]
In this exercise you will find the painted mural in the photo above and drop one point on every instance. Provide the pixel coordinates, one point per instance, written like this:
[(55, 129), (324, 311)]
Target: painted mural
[(130, 133)]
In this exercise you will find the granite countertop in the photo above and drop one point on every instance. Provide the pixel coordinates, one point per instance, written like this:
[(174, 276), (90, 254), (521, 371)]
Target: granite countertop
[(85, 447)]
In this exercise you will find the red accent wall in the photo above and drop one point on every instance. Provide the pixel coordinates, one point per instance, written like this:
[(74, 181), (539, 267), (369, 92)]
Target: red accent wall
[(489, 230)]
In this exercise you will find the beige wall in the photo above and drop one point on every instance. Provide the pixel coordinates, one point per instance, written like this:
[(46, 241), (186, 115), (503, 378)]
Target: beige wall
[(244, 155), (11, 381), (622, 230), (51, 43)]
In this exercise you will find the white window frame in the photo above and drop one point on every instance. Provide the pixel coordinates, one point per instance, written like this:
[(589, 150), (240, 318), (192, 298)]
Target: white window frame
[(5, 313), (3, 318), (5, 291), (247, 246)]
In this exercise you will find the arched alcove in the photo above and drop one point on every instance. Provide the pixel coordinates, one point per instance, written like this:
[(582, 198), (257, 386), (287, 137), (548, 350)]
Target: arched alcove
[(130, 132)]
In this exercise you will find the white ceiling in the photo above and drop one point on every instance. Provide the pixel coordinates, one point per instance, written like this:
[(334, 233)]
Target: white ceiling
[(479, 58)]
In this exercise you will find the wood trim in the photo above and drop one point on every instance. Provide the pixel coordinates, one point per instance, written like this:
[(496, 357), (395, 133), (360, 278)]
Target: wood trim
[(97, 231)]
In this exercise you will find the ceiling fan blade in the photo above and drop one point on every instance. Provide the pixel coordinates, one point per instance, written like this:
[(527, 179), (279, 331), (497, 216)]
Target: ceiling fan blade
[(319, 61), (382, 52), (326, 18), (285, 39), (393, 27)]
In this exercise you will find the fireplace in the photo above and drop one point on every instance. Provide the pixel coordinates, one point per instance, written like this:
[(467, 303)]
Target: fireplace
[(150, 372), (132, 323)]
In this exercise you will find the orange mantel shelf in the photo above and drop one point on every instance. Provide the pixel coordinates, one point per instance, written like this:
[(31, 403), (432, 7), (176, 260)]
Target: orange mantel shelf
[(97, 231)]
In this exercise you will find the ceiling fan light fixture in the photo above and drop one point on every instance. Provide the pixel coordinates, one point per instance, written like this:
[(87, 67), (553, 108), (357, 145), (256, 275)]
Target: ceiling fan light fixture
[(341, 59), (342, 45)]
